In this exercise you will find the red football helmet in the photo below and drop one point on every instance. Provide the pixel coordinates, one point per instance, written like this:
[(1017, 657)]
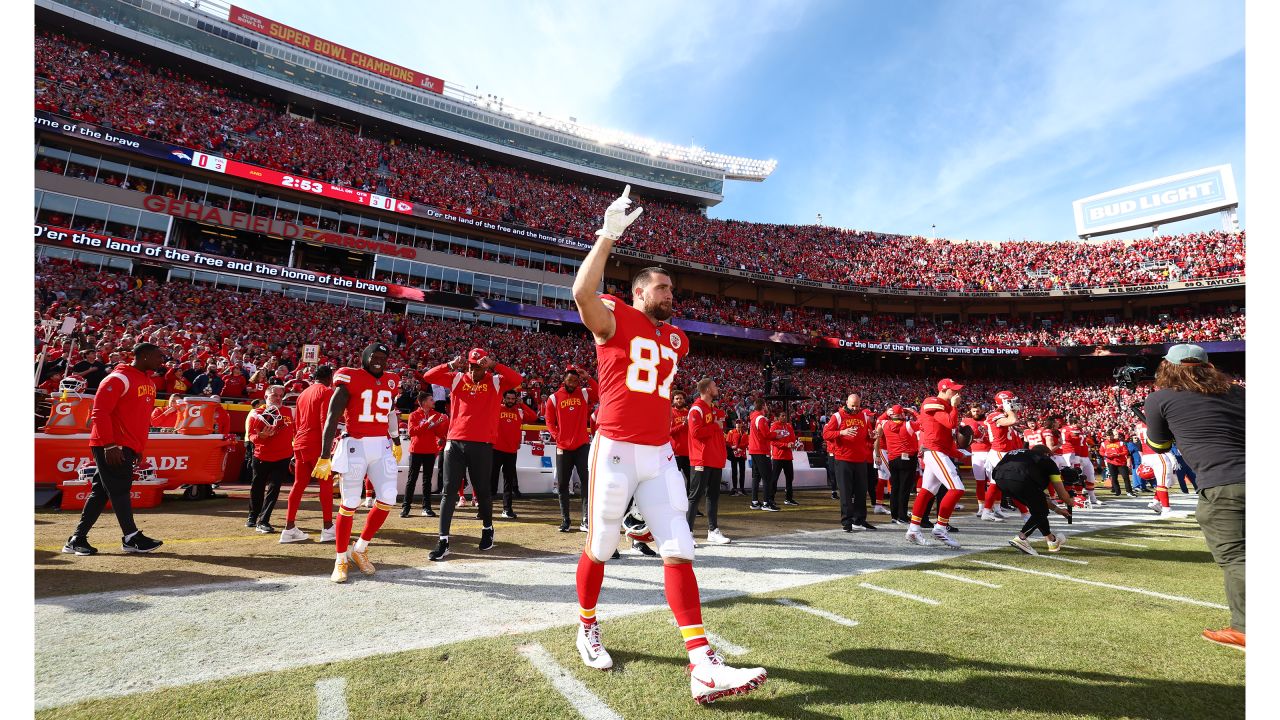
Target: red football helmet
[(144, 471), (1006, 396), (1146, 472)]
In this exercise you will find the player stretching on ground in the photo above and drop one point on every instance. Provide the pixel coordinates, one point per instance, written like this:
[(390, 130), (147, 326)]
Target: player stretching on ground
[(365, 396), (637, 354)]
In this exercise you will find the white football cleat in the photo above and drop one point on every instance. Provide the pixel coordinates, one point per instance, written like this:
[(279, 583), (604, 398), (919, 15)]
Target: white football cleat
[(361, 559), (914, 536), (1166, 511), (880, 509), (711, 679), (991, 516), (715, 537), (340, 570), (940, 532), (329, 534), (1023, 545), (1061, 540), (292, 535), (591, 648), (998, 514), (368, 502)]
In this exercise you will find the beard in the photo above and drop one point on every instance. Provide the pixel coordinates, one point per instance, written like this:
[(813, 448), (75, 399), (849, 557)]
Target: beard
[(658, 310)]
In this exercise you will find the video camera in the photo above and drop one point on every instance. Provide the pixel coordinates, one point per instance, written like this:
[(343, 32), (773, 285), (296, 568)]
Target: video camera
[(1128, 376)]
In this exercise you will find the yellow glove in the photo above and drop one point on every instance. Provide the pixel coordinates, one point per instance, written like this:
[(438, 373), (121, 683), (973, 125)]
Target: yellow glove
[(397, 451), (323, 469)]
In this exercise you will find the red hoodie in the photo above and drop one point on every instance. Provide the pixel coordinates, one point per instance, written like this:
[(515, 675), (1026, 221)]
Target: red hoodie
[(509, 421), (122, 409), (473, 406), (706, 435), (568, 414)]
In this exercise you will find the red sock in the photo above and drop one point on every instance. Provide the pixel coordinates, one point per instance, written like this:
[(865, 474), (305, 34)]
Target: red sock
[(301, 478), (1162, 494), (342, 534), (368, 488), (326, 501), (992, 497), (682, 595), (374, 520), (948, 504), (981, 492), (880, 486), (1018, 504), (922, 501), (589, 579)]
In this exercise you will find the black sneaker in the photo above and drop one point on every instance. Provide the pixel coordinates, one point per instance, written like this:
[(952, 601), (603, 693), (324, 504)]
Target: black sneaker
[(486, 538), (139, 543), (643, 549), (428, 513), (926, 524), (404, 511), (79, 546), (772, 508), (865, 525), (755, 504), (564, 526), (789, 501), (700, 514), (265, 528), (509, 514), (441, 551), (835, 495), (952, 528), (251, 523), (848, 528)]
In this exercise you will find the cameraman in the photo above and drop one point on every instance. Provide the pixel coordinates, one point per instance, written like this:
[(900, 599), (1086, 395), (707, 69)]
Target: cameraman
[(1025, 475), (1198, 406)]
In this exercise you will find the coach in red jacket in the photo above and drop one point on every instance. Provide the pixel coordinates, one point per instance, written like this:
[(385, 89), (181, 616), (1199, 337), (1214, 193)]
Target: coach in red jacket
[(271, 429), (427, 431), (121, 419), (758, 436), (848, 434), (511, 416), (568, 411), (706, 456)]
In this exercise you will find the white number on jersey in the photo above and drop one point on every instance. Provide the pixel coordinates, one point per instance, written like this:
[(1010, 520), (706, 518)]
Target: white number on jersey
[(383, 403), (642, 373)]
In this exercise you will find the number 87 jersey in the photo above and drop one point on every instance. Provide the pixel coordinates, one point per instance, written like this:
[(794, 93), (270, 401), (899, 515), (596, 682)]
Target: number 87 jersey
[(636, 369), (369, 400)]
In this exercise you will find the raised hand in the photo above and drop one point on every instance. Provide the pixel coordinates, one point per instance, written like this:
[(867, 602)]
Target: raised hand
[(616, 217)]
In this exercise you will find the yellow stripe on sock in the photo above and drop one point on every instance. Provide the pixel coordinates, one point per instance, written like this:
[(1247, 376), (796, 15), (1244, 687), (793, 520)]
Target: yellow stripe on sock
[(689, 632), (588, 614)]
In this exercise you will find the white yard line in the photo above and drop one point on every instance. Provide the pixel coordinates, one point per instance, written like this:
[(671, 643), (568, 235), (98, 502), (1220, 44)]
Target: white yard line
[(959, 578), (899, 593), (1139, 591), (331, 699), (570, 688), (837, 619)]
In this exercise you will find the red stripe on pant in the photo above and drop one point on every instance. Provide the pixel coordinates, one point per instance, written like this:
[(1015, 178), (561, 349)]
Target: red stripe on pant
[(304, 461)]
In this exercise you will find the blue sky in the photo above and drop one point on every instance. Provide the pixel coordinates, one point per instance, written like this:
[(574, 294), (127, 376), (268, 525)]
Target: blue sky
[(984, 118)]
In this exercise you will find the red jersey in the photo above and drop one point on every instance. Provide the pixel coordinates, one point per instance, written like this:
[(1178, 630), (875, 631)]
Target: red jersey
[(370, 400), (736, 441), (705, 429), (234, 384), (256, 390), (174, 382), (938, 420), (680, 432), (568, 416), (781, 437), (1002, 439), (473, 406), (1031, 437), (311, 411), (1073, 442), (759, 434), (1142, 438), (899, 438), (278, 445), (509, 421), (849, 449), (636, 368), (981, 440), (122, 408), (1049, 438), (427, 429)]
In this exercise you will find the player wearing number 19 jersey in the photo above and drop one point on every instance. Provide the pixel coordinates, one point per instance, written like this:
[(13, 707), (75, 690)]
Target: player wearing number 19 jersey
[(637, 355)]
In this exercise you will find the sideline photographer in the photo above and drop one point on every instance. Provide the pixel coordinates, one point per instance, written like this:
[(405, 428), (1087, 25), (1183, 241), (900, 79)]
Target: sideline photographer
[(1025, 475), (1199, 407)]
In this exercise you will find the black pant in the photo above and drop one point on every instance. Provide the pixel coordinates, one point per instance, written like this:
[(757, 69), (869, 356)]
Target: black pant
[(870, 491), (761, 472), (473, 459), (705, 481), (114, 483), (268, 476), (831, 474), (682, 462), (781, 467), (419, 463), (566, 462), (440, 474), (738, 473), (851, 481), (504, 462), (902, 477), (1116, 472), (1033, 497)]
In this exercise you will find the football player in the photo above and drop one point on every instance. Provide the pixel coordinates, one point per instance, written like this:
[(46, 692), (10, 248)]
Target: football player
[(939, 418), (637, 355), (364, 397), (1003, 438), (978, 447)]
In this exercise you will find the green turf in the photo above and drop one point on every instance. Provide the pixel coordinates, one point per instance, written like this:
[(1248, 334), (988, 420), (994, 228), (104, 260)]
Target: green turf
[(1035, 648)]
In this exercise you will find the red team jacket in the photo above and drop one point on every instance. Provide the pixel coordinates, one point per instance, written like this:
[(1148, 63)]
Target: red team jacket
[(277, 446), (736, 441), (509, 422), (899, 439), (706, 435), (122, 407), (427, 429), (758, 427), (849, 449), (938, 419), (311, 410), (473, 406), (680, 432), (568, 415), (783, 435)]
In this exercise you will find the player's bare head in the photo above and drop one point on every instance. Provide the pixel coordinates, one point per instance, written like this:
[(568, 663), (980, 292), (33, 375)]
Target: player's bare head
[(147, 357), (762, 405), (323, 375), (651, 293), (571, 378), (374, 358), (509, 398), (853, 401), (424, 399), (677, 398), (275, 394), (707, 389)]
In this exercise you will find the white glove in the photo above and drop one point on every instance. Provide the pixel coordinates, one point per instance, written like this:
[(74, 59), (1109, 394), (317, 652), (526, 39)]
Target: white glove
[(1006, 405), (616, 218)]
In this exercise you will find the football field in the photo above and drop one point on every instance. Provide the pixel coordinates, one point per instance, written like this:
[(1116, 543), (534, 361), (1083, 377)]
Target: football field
[(858, 625)]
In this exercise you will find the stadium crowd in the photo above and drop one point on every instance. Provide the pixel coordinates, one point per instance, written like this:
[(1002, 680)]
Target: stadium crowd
[(233, 344), (96, 85)]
